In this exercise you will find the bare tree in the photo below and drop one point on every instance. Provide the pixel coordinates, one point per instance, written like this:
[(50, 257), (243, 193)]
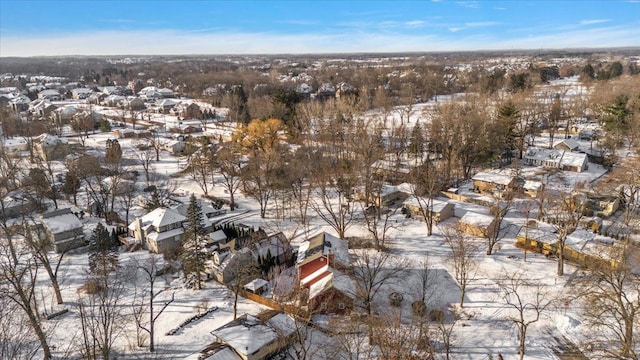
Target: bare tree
[(102, 316), (425, 189), (378, 224), (397, 340), (150, 273), (371, 271), (612, 303), (229, 164), (17, 340), (201, 170), (41, 246), (157, 143), (144, 153), (445, 323), (527, 302), (19, 271), (257, 179), (499, 210), (462, 257), (565, 213), (334, 195)]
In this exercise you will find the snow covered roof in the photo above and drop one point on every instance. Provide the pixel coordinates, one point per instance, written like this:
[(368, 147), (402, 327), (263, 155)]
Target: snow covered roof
[(218, 235), (225, 353), (476, 219), (61, 220), (437, 205), (560, 157), (390, 189), (532, 185), (248, 334), (541, 232), (324, 244), (571, 143), (160, 236), (499, 177), (579, 238), (256, 284), (161, 217)]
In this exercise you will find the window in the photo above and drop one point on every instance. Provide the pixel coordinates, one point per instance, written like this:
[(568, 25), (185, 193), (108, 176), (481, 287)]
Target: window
[(323, 306), (341, 306)]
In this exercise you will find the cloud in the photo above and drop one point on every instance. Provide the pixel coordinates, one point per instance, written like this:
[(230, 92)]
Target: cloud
[(414, 23), (174, 42), (299, 22), (468, 4), (481, 24), (470, 25), (594, 21)]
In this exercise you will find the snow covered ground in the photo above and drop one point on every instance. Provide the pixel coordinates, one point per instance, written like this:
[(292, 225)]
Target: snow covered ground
[(483, 332)]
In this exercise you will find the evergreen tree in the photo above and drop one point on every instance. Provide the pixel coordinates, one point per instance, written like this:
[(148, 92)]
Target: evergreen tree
[(71, 185), (238, 109), (417, 144), (103, 255), (193, 247)]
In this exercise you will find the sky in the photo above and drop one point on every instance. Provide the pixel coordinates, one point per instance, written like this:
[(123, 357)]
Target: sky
[(82, 27)]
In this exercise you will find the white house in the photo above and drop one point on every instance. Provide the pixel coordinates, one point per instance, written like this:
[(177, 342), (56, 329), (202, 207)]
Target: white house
[(159, 231), (554, 158), (64, 229)]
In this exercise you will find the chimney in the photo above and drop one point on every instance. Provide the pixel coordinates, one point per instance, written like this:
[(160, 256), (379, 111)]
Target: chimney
[(138, 230)]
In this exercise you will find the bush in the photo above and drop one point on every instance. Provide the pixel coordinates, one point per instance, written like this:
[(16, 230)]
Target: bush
[(105, 126)]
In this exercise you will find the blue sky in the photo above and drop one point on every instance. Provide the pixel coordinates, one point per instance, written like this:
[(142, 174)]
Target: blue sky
[(30, 28)]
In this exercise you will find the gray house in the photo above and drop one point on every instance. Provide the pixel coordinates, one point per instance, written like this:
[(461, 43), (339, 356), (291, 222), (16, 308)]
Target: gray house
[(64, 229)]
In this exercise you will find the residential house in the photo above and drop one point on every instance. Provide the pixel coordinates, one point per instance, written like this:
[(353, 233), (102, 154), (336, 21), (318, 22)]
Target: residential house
[(165, 105), (230, 255), (493, 182), (134, 103), (554, 158), (570, 144), (65, 113), (389, 194), (325, 288), (159, 231), (81, 93), (441, 209), (582, 247), (42, 108), (304, 90), (325, 92), (15, 204), (127, 133), (599, 205), (537, 236), (533, 188), (224, 263), (64, 229), (50, 95), (20, 103), (256, 338), (190, 111), (175, 147), (477, 224), (187, 129)]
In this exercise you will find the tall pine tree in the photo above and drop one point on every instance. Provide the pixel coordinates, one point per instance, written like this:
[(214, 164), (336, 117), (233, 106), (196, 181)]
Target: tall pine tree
[(193, 245), (103, 254)]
